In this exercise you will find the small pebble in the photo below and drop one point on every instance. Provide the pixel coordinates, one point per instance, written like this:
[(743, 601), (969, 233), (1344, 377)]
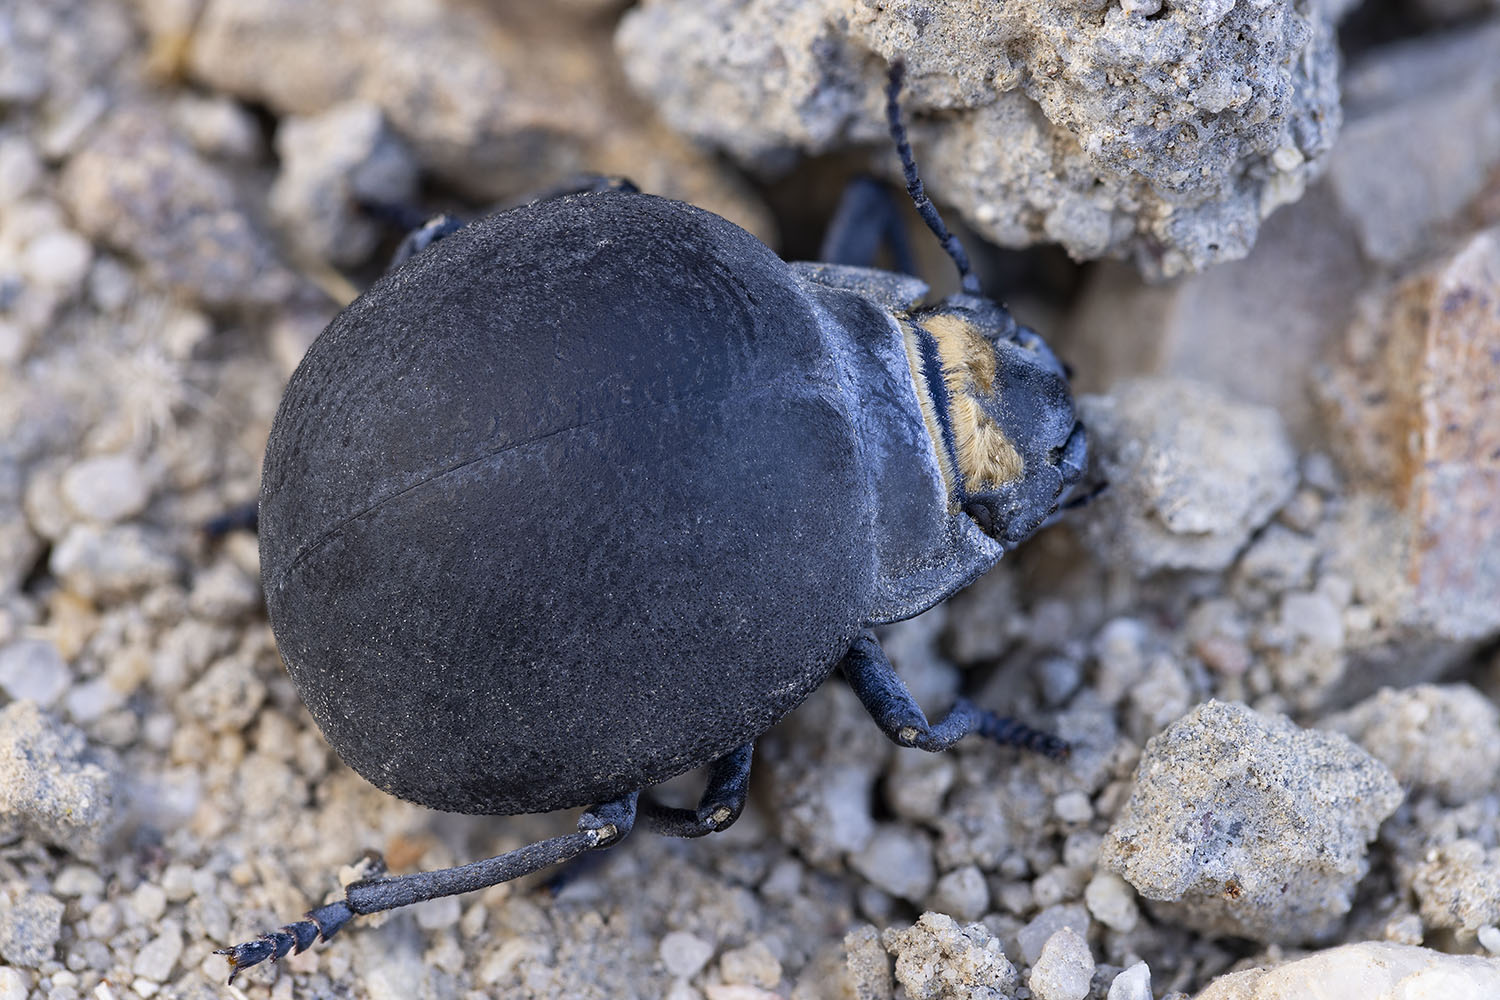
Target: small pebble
[(1489, 937), (30, 925), (897, 860), (159, 957), (1073, 807), (684, 954), (106, 488), (1111, 900), (1035, 935), (1132, 984), (148, 902), (33, 670), (59, 259), (752, 965), (13, 983), (962, 894), (1064, 969)]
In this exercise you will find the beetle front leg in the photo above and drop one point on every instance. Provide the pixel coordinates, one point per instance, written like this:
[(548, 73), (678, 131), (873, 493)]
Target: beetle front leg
[(602, 826), (889, 702)]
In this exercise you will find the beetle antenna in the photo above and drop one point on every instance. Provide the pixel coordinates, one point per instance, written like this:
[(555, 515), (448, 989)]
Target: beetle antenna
[(914, 187)]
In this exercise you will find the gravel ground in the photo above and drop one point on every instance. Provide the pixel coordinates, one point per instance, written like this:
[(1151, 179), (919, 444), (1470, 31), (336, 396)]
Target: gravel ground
[(1271, 642)]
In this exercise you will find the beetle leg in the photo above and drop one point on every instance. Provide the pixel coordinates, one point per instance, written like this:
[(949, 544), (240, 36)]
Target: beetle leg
[(422, 237), (722, 802), (868, 218), (889, 702), (602, 826), (242, 517)]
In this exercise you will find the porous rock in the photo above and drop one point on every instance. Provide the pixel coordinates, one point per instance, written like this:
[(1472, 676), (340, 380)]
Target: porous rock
[(1165, 138), (1242, 823), (1369, 970), (139, 187), (1445, 738), (1458, 886), (939, 959), (30, 926), (1191, 473), (52, 787)]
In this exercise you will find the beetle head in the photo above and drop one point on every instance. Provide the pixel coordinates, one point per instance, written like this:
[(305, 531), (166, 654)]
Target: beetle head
[(1016, 444)]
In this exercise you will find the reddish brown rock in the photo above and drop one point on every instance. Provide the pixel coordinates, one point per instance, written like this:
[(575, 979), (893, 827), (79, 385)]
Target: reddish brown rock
[(1413, 392)]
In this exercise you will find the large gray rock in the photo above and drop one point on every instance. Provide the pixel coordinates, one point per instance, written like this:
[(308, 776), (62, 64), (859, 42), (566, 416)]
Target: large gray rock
[(1241, 823), (1163, 133)]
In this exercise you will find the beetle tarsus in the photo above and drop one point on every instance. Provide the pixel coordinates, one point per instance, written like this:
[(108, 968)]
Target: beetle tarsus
[(890, 703), (294, 938)]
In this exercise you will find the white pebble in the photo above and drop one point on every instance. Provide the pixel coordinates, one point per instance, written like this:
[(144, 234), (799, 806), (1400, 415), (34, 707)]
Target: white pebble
[(1132, 984), (59, 259), (436, 914), (13, 985), (78, 880), (33, 670), (1064, 969), (92, 700), (684, 954), (1111, 900), (962, 894), (106, 488), (158, 958), (1073, 807), (897, 860), (1490, 938), (148, 903)]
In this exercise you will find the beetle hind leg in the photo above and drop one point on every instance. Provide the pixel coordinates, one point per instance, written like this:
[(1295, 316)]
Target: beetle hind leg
[(722, 802), (889, 702), (602, 826)]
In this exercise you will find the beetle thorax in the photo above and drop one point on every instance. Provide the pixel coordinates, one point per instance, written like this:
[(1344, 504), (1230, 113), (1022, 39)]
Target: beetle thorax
[(954, 368)]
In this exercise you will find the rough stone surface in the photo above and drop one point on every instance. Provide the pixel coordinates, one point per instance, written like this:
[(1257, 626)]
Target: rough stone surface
[(1191, 474), (331, 163), (1371, 970), (1164, 135), (1412, 390), (52, 786), (1458, 886), (1445, 738), (939, 959), (1428, 112), (139, 188), (1064, 969), (30, 926), (1244, 824)]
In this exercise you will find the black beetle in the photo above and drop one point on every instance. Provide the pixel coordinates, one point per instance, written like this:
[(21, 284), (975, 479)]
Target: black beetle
[(592, 492)]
